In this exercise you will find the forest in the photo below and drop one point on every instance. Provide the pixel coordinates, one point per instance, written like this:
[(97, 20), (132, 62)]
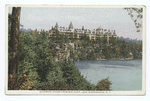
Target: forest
[(119, 48), (37, 69)]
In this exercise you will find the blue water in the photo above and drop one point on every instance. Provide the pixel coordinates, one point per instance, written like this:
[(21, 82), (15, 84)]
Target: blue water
[(126, 75)]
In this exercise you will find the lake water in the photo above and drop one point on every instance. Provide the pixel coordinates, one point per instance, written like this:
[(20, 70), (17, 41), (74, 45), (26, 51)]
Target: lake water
[(126, 75)]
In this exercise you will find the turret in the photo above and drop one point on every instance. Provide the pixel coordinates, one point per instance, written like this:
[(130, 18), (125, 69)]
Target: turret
[(70, 25), (82, 27), (52, 27), (114, 32), (56, 26)]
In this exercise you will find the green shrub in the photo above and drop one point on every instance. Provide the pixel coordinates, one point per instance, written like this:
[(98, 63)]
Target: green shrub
[(104, 84)]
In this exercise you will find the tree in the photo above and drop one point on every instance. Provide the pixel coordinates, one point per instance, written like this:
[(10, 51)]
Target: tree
[(13, 63), (27, 78), (73, 76), (27, 75), (104, 84), (136, 15)]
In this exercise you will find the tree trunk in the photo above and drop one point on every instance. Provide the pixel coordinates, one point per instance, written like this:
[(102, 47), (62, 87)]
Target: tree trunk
[(13, 63)]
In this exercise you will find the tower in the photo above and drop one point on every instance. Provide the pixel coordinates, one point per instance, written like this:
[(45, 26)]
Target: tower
[(82, 27), (114, 32), (56, 26), (70, 25)]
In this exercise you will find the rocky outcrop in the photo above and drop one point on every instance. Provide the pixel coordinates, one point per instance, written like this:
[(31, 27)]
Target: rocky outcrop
[(63, 51)]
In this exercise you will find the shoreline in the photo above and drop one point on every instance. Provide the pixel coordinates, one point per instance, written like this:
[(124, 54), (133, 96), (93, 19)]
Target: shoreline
[(110, 59), (117, 59)]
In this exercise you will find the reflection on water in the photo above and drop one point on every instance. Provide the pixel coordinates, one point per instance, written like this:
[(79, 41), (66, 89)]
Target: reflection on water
[(126, 75)]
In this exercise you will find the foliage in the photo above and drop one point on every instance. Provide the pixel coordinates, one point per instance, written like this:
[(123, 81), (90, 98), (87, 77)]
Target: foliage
[(86, 49), (103, 85), (136, 15), (26, 47), (37, 69), (27, 76), (118, 49), (36, 57), (55, 75), (74, 77)]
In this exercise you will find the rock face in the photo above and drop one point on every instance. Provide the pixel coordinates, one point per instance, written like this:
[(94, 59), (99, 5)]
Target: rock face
[(131, 55), (63, 52)]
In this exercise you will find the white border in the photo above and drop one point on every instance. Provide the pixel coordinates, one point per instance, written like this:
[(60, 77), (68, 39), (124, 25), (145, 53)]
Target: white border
[(18, 92)]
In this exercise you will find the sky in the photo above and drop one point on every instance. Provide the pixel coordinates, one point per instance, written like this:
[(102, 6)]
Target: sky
[(91, 18)]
